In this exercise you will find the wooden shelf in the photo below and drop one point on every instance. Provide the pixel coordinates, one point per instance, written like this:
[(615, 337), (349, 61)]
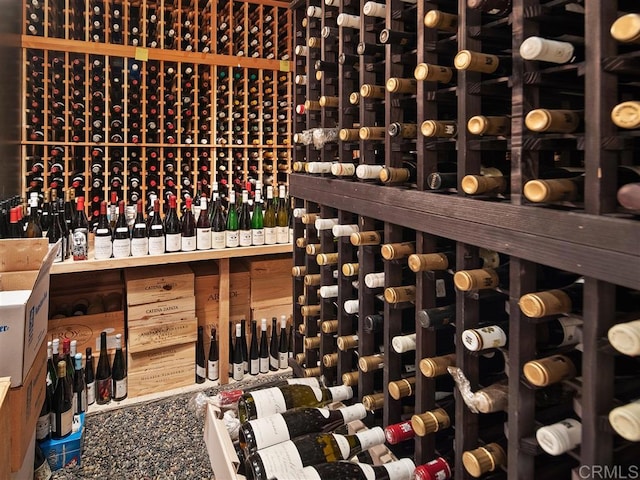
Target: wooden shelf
[(69, 266)]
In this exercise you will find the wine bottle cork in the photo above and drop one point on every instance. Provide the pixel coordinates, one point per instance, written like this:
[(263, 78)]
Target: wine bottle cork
[(349, 134), (479, 184), (350, 379), (437, 366), (626, 29), (327, 259), (329, 326), (401, 388), (476, 61), (309, 218), (400, 294), (311, 343), (300, 357), (312, 372), (552, 190), (372, 91), (298, 271), (350, 269), (483, 125), (552, 121), (402, 85), (430, 422), (372, 133), (428, 261), (484, 459), (312, 249), (354, 98), (373, 402), (394, 175), (433, 73), (482, 278), (330, 360), (371, 363), (329, 102), (311, 105), (549, 370), (299, 166), (626, 115), (314, 42), (365, 238), (347, 342), (435, 128), (310, 310), (391, 251), (302, 299), (301, 242), (625, 337), (446, 22), (542, 304), (312, 279)]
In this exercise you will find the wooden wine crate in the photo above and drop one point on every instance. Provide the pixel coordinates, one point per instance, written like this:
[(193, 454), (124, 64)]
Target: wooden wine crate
[(5, 437), (158, 283), (161, 369), (162, 331), (271, 280), (268, 311), (81, 283), (86, 330), (147, 311)]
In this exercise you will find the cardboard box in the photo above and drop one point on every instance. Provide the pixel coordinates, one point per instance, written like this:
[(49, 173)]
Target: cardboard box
[(24, 304), (67, 451), (25, 403), (158, 283), (5, 436), (147, 311), (222, 455), (163, 331), (86, 330), (271, 280), (161, 369), (25, 472)]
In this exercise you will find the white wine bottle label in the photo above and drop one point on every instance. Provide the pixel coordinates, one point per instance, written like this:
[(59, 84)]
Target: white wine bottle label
[(120, 388), (91, 393), (268, 402), (156, 245), (82, 401), (42, 426), (232, 238), (343, 445), (270, 236), (340, 393), (282, 461), (264, 365), (310, 473), (121, 248), (372, 437), (257, 236), (139, 247), (282, 234), (353, 412), (238, 371), (102, 247), (201, 371), (284, 360), (367, 471), (173, 242), (187, 244), (213, 370), (66, 422), (217, 240), (245, 238), (203, 238), (269, 431), (254, 366), (274, 362)]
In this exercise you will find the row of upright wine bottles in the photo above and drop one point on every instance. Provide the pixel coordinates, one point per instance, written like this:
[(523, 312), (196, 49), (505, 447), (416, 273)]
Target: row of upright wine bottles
[(233, 28), (80, 98), (72, 386), (118, 233)]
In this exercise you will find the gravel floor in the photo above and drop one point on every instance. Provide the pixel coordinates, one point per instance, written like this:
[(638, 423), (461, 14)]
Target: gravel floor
[(157, 440)]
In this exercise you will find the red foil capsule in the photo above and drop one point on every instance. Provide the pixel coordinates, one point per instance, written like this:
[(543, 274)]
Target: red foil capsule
[(437, 469), (399, 432)]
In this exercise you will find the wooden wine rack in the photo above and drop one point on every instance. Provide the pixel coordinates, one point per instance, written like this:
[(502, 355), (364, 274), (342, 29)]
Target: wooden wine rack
[(596, 238), (218, 116)]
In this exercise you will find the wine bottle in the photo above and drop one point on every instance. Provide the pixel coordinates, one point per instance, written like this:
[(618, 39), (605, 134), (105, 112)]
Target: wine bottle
[(274, 356), (625, 29), (139, 239), (119, 372), (553, 302), (433, 73), (264, 432), (66, 354), (232, 234), (254, 358), (282, 217), (270, 234), (257, 221), (481, 62), (80, 228), (402, 469), (41, 467), (231, 349), (490, 181), (188, 228), (54, 234), (103, 373), (62, 408), (33, 228), (218, 223), (201, 369), (625, 338), (553, 121), (203, 227), (625, 420), (156, 231), (90, 379), (79, 386), (485, 459), (43, 424), (121, 241), (482, 278), (546, 50), (245, 349), (238, 367), (172, 228), (283, 347), (244, 221), (213, 368), (307, 450), (560, 437)]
